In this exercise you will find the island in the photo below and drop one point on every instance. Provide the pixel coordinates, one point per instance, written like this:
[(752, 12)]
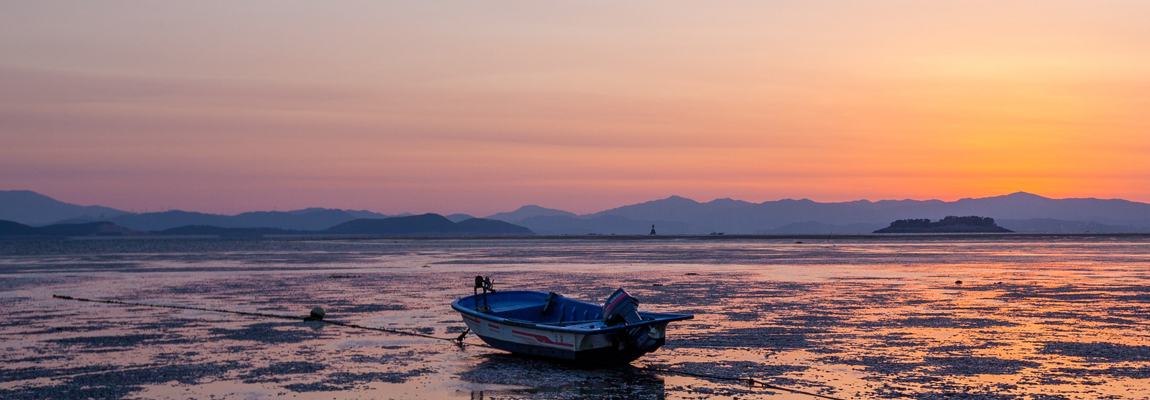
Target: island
[(951, 224)]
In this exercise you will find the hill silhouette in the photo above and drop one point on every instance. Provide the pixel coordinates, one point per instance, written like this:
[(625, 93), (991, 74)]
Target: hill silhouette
[(31, 208), (601, 225), (1022, 212), (736, 216), (428, 225), (103, 228), (525, 212), (312, 219), (950, 224), (10, 228), (204, 230), (459, 217)]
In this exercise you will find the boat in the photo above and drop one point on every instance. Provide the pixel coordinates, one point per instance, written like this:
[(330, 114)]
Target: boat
[(552, 326)]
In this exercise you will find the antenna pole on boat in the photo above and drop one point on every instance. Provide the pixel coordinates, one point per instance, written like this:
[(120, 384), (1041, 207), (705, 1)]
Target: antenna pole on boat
[(482, 282)]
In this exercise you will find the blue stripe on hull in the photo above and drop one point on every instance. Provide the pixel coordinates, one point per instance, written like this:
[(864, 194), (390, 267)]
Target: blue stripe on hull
[(521, 348)]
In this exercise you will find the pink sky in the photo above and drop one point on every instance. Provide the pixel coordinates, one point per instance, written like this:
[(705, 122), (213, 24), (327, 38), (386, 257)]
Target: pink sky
[(482, 107)]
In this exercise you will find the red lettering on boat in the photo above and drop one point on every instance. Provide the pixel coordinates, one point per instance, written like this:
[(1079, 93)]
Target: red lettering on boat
[(542, 339)]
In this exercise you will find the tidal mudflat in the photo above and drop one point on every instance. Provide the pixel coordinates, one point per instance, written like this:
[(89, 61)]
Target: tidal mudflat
[(929, 318)]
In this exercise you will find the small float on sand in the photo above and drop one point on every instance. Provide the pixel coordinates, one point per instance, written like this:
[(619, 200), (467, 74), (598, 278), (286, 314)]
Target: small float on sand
[(549, 325)]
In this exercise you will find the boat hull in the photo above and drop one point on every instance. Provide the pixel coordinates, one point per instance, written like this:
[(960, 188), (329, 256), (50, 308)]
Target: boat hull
[(546, 325), (588, 348)]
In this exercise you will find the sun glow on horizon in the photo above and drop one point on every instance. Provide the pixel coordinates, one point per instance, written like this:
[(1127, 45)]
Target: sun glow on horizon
[(432, 107)]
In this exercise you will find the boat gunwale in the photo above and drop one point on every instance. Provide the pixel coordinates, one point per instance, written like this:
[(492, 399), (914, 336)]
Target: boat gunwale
[(660, 318)]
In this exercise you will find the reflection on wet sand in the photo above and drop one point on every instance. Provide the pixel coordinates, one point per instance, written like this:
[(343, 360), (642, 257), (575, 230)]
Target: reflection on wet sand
[(1040, 319), (542, 378)]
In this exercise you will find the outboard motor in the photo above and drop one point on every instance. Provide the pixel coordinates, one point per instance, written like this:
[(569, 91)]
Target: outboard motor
[(621, 308)]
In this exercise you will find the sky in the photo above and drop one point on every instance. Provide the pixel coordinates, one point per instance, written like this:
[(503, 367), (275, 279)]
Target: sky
[(480, 107)]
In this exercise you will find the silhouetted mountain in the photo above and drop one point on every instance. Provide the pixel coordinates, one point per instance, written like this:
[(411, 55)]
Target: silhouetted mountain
[(102, 228), (10, 228), (357, 214), (490, 227), (159, 221), (819, 228), (1047, 225), (427, 225), (31, 208), (673, 215), (459, 217), (315, 219), (950, 224), (734, 216), (603, 225), (201, 230), (529, 211)]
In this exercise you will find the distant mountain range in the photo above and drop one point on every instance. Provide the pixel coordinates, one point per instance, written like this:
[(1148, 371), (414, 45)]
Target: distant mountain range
[(309, 220), (1019, 212), (35, 209), (28, 207), (104, 228), (426, 225), (734, 216)]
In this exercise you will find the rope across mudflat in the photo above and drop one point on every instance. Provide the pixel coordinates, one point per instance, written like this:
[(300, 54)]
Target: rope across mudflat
[(457, 340)]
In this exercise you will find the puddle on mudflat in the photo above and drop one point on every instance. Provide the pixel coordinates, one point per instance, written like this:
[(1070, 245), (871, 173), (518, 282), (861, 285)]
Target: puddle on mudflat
[(1038, 319)]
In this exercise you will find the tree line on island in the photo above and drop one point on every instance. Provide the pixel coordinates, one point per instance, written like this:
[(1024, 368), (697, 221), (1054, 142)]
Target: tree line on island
[(950, 224)]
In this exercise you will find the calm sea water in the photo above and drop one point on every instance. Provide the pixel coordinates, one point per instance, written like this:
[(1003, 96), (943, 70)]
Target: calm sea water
[(1040, 318)]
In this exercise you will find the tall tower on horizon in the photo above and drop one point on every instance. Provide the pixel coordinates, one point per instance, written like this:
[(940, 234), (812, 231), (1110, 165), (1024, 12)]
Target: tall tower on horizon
[(652, 229)]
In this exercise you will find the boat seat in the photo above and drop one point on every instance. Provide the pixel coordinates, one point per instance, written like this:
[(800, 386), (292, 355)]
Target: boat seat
[(512, 307)]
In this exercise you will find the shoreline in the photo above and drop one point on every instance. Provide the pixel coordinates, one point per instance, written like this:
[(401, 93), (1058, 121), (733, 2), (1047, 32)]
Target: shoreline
[(607, 237)]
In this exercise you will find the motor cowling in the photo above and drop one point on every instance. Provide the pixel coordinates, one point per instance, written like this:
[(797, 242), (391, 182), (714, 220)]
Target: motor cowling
[(621, 308)]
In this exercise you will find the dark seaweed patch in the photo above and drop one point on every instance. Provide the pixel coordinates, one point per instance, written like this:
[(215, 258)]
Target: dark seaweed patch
[(107, 341), (1099, 351), (961, 348), (970, 365), (69, 329), (739, 369), (364, 308), (270, 332), (347, 380), (771, 337), (877, 364), (115, 384), (951, 322), (27, 373), (275, 372), (1125, 372)]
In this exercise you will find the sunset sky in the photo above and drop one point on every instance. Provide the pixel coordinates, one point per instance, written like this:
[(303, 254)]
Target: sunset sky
[(481, 107)]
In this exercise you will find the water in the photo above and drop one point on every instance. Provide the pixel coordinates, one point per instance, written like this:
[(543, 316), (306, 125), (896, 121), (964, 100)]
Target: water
[(1040, 318)]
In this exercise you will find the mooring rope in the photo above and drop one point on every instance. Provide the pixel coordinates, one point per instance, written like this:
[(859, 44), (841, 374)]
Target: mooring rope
[(458, 340), (257, 314), (750, 381)]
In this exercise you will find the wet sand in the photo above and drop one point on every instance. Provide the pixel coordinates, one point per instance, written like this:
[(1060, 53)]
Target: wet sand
[(1032, 318)]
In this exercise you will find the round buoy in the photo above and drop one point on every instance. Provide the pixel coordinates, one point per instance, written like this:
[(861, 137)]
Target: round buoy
[(317, 313)]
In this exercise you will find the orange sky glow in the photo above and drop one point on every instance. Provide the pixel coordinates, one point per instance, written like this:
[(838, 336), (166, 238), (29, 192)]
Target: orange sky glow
[(479, 107)]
